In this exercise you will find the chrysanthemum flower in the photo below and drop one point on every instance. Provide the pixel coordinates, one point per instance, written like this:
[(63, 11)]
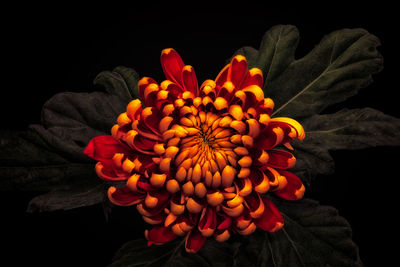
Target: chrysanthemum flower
[(200, 162)]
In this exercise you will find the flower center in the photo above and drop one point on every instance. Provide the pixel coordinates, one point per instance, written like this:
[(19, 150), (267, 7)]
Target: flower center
[(208, 151)]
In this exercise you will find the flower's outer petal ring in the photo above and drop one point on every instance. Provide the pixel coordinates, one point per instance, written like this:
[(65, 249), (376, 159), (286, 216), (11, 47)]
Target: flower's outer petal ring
[(190, 80), (294, 189), (124, 196), (271, 220), (102, 148), (281, 159), (159, 235), (237, 70), (194, 241), (172, 65)]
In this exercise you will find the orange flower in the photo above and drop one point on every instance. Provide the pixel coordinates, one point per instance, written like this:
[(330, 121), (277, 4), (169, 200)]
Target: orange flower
[(199, 162)]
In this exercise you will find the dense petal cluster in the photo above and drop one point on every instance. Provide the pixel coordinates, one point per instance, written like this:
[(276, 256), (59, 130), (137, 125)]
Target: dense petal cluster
[(199, 162)]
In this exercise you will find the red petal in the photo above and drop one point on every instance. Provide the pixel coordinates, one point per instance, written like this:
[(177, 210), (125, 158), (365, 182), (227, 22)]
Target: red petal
[(124, 196), (172, 65), (159, 235), (143, 83), (255, 205), (190, 80), (294, 189), (107, 171), (151, 118), (270, 137), (271, 220), (208, 221), (281, 159), (222, 76), (104, 147), (254, 77), (237, 70), (194, 241), (162, 202), (224, 221)]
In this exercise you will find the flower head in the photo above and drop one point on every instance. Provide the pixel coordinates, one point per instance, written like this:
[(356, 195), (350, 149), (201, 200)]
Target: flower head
[(200, 162)]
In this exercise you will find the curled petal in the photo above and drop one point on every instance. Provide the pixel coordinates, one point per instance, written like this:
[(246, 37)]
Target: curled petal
[(222, 235), (107, 171), (235, 211), (154, 220), (248, 230), (255, 205), (172, 88), (300, 133), (134, 109), (245, 186), (104, 147), (271, 220), (159, 235), (281, 159), (254, 77), (124, 196), (294, 189), (143, 83), (208, 89), (254, 91), (259, 180), (270, 137), (208, 221), (194, 241)]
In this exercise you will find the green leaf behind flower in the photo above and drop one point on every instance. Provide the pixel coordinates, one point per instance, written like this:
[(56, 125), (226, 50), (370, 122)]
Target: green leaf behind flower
[(122, 82), (337, 68), (137, 253), (49, 156), (346, 129), (313, 235)]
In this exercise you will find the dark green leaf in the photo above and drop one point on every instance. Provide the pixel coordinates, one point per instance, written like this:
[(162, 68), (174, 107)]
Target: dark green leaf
[(71, 120), (69, 197), (313, 235), (136, 253), (276, 51), (122, 81), (353, 129), (311, 160), (334, 70), (346, 129), (29, 163)]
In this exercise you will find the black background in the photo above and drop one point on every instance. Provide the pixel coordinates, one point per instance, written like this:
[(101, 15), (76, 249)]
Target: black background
[(49, 49)]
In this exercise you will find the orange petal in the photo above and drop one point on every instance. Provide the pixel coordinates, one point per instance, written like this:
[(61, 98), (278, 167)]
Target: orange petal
[(254, 77), (157, 180), (215, 199), (294, 124)]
